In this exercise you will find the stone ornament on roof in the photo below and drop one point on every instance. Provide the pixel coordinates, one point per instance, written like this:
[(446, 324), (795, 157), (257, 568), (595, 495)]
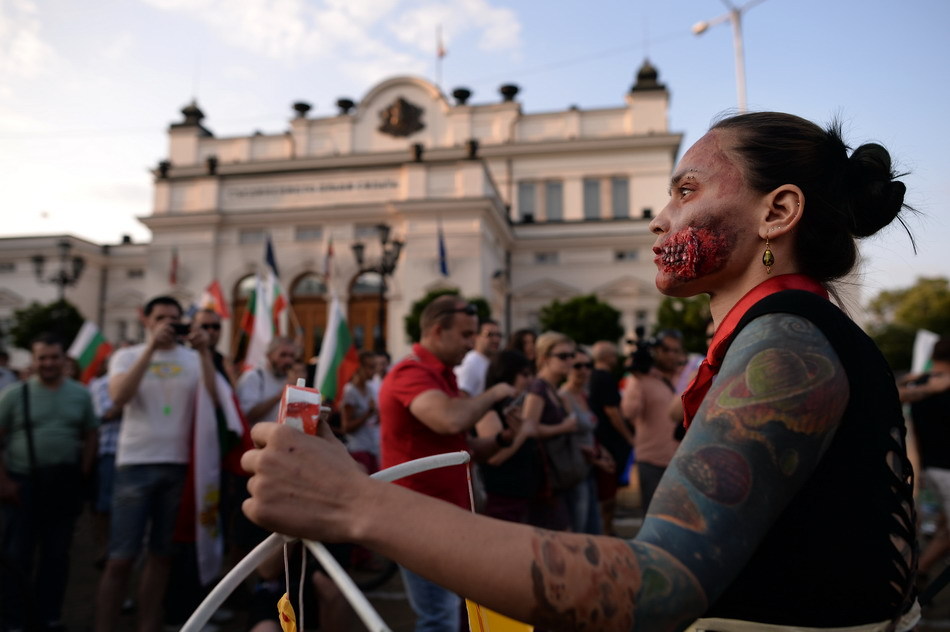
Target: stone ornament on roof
[(401, 118)]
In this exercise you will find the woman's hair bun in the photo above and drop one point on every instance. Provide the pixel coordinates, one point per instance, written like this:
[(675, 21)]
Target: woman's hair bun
[(876, 198)]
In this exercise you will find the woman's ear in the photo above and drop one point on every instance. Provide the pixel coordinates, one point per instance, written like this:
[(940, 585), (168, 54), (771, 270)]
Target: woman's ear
[(784, 206)]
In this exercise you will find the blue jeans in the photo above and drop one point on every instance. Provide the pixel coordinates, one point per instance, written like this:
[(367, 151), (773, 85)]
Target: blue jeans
[(437, 609), (584, 508), (145, 496), (42, 524)]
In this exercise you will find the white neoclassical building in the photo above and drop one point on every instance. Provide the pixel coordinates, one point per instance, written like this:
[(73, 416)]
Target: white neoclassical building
[(532, 207)]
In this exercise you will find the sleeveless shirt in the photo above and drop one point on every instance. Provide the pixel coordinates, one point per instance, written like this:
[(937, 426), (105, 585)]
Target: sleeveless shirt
[(830, 558)]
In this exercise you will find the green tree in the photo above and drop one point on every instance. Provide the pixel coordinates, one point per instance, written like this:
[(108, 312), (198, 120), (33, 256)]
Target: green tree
[(586, 319), (59, 317), (689, 315), (897, 315), (411, 319)]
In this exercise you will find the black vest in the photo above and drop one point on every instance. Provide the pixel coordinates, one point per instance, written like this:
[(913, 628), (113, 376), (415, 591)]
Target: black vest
[(829, 559)]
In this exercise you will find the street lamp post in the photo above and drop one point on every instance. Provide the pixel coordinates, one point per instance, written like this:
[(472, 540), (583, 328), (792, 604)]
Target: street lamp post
[(70, 268), (385, 267), (734, 16)]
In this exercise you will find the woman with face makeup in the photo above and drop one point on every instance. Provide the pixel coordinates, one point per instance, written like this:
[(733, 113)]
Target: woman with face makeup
[(787, 506)]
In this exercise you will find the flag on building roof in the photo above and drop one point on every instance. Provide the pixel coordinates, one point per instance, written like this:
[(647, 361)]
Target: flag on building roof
[(90, 350), (443, 257), (213, 298), (338, 358), (173, 268), (440, 45)]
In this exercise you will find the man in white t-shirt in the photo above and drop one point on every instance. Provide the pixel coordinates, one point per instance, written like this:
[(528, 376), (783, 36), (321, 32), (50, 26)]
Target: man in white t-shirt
[(259, 389), (155, 382), (471, 373)]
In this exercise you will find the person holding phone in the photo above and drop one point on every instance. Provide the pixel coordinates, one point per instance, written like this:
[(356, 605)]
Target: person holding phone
[(155, 383)]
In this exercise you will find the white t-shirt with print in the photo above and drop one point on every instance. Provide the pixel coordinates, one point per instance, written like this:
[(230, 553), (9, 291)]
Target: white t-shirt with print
[(157, 421)]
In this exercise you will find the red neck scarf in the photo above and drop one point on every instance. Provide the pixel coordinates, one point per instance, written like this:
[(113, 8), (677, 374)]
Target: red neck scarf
[(696, 391)]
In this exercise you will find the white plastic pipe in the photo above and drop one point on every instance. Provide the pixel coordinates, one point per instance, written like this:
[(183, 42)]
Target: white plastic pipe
[(243, 569)]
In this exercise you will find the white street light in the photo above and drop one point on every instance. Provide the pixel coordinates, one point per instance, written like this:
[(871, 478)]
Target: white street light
[(735, 17)]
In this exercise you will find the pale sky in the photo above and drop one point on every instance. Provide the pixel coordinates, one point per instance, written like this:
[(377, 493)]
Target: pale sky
[(88, 89)]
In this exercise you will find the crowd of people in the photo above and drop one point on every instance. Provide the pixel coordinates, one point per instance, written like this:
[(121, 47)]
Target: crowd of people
[(773, 474), (541, 416)]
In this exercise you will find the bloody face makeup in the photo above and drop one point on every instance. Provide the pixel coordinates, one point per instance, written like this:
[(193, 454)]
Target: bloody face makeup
[(696, 251)]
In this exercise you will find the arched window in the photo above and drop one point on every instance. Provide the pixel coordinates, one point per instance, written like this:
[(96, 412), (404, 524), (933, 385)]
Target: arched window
[(367, 283), (308, 286)]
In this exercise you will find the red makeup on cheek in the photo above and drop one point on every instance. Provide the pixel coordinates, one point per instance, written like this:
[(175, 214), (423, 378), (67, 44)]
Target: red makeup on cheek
[(694, 252)]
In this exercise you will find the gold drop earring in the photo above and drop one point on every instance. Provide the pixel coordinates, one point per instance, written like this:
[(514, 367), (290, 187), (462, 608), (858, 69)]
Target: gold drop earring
[(768, 259)]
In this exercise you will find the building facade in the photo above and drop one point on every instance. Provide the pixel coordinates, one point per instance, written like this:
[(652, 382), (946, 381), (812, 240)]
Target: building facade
[(530, 207)]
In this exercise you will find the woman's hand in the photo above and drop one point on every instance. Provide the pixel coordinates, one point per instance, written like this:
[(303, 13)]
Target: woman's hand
[(304, 486)]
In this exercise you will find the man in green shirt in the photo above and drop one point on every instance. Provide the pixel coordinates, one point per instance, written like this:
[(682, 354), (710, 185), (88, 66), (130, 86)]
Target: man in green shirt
[(48, 428)]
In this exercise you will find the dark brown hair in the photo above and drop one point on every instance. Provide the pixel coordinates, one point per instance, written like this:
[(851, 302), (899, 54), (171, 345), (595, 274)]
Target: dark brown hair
[(847, 196)]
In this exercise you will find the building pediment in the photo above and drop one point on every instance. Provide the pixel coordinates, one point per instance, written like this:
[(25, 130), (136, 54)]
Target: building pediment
[(414, 90), (626, 286), (8, 298), (546, 289)]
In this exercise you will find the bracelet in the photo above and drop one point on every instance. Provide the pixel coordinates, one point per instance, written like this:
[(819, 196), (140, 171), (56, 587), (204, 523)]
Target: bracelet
[(501, 441)]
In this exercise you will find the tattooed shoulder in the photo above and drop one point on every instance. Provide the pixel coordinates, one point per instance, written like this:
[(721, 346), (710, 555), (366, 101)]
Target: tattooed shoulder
[(781, 368)]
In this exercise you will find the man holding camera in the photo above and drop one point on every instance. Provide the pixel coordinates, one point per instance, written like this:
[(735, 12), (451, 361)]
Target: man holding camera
[(155, 382), (646, 402)]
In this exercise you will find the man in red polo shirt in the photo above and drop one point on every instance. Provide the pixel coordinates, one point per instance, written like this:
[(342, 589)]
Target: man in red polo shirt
[(421, 414)]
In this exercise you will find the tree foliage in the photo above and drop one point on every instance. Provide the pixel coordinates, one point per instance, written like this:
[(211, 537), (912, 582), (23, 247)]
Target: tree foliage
[(411, 319), (586, 319), (59, 317), (688, 315), (898, 314)]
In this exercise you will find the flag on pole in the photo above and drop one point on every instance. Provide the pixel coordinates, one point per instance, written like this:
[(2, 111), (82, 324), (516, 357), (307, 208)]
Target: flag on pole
[(213, 298), (258, 323), (338, 357), (443, 257), (173, 268), (328, 262), (275, 292), (440, 45), (90, 350)]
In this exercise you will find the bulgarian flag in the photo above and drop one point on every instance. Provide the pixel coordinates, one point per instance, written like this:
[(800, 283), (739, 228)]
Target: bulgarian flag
[(338, 357), (90, 350)]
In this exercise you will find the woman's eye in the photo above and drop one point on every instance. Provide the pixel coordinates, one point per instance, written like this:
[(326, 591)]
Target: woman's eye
[(684, 191)]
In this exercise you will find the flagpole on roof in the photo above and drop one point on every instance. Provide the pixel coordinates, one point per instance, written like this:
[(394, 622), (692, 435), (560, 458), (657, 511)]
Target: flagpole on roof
[(439, 55)]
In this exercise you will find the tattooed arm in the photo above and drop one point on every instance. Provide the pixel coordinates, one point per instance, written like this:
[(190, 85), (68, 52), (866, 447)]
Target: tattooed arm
[(758, 436), (761, 431)]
